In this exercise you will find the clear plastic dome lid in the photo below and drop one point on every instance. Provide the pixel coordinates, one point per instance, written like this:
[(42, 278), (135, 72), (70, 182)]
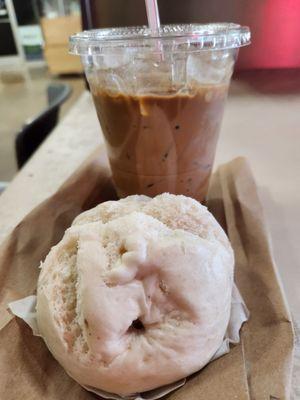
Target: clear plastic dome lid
[(187, 37)]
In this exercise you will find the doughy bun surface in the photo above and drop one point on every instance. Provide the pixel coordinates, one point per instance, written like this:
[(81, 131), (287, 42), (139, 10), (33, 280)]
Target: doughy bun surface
[(137, 294)]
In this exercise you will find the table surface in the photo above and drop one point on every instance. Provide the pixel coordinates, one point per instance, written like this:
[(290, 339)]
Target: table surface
[(261, 122)]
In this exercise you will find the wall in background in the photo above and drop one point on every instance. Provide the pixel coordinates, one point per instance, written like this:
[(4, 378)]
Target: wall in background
[(275, 24)]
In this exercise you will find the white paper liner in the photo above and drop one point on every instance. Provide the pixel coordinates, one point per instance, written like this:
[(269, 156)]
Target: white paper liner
[(295, 395), (26, 309)]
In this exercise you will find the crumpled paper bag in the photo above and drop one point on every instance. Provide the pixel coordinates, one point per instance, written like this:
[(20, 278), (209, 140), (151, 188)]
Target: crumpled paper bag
[(258, 368)]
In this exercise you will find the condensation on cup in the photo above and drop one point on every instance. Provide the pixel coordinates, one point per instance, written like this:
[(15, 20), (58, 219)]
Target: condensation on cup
[(160, 101)]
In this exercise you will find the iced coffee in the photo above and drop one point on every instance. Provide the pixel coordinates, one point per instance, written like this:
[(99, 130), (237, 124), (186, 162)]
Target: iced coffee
[(162, 143), (160, 101)]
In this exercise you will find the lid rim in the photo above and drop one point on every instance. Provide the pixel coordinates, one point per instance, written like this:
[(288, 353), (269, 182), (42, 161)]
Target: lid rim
[(226, 35)]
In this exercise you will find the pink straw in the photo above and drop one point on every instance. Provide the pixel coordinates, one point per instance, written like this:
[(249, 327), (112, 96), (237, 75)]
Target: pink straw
[(152, 15)]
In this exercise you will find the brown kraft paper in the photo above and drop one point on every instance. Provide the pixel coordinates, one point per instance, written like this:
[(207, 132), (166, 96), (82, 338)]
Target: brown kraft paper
[(259, 368)]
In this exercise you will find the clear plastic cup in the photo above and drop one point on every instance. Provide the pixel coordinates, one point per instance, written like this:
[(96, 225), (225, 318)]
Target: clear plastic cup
[(160, 101)]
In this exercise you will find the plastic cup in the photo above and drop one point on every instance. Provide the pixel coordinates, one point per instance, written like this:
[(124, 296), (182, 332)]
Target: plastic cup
[(160, 110)]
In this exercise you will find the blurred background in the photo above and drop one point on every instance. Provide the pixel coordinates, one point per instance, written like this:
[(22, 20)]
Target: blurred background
[(38, 76)]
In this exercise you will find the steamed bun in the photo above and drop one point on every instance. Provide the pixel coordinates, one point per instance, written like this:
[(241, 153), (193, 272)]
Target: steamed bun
[(137, 294)]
